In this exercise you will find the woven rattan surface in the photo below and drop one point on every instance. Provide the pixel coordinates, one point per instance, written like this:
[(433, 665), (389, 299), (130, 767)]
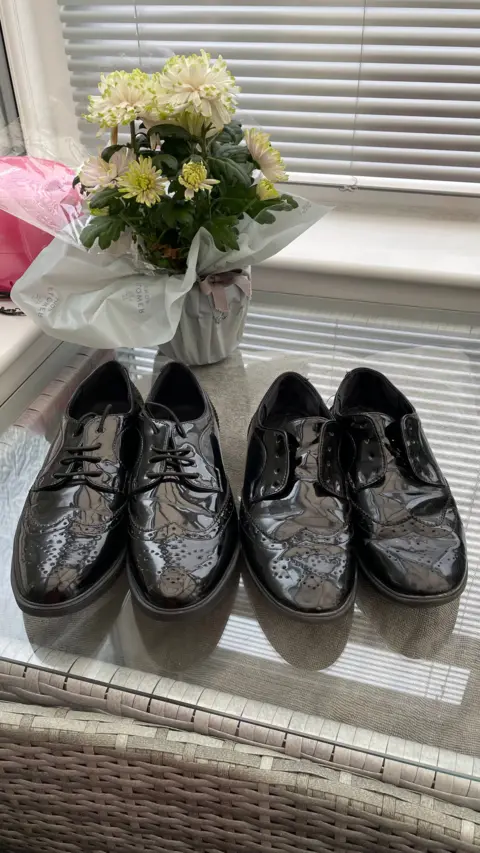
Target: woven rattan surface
[(133, 694), (74, 781), (392, 692)]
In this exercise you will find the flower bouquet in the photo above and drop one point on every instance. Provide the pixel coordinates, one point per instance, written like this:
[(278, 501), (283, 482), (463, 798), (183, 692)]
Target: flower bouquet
[(175, 214)]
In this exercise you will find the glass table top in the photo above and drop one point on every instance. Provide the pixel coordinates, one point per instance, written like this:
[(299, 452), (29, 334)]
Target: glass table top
[(404, 673)]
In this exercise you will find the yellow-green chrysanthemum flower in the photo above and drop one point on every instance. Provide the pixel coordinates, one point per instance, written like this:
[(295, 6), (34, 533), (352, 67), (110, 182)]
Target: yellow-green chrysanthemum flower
[(143, 182), (268, 158), (194, 84), (124, 96), (194, 178), (266, 190)]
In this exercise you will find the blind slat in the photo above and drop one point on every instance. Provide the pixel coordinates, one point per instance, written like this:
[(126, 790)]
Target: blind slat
[(237, 14), (85, 84), (310, 72), (382, 88)]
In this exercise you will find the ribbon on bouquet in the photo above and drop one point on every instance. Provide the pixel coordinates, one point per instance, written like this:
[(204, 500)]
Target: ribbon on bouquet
[(214, 285)]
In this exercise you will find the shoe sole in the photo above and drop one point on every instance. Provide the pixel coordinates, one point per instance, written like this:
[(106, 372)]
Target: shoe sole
[(171, 614), (65, 608), (415, 600), (300, 615)]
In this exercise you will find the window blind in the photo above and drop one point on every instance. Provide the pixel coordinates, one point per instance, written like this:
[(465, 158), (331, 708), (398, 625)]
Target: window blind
[(374, 92)]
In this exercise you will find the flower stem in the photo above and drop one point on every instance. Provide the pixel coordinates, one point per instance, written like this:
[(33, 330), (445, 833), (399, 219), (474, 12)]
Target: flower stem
[(133, 137)]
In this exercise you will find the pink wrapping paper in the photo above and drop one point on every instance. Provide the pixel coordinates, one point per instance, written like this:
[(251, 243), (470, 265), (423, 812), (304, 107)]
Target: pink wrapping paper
[(37, 201)]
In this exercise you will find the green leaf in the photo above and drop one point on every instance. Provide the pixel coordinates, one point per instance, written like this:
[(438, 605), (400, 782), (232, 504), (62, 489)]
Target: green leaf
[(168, 214), (178, 148), (175, 213), (265, 218), (104, 197), (169, 131), (108, 152), (166, 162), (261, 210), (223, 232), (229, 172), (229, 205), (231, 133), (229, 151), (105, 229), (148, 152), (290, 201), (75, 181)]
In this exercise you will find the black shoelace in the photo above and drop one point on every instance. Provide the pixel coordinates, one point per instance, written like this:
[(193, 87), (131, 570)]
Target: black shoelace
[(175, 460), (75, 457)]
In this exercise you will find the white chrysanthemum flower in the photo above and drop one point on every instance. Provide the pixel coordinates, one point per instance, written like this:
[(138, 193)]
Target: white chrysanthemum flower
[(194, 178), (266, 190), (143, 182), (96, 174), (268, 158), (193, 84), (124, 96)]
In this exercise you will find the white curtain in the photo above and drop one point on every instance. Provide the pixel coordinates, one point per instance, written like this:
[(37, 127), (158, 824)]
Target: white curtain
[(11, 140)]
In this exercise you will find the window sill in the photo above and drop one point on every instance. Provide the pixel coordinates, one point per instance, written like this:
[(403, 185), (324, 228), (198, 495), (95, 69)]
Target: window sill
[(28, 360), (404, 256)]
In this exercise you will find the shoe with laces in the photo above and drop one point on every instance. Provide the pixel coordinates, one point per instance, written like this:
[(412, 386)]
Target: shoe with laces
[(71, 540), (409, 535), (183, 521), (295, 516)]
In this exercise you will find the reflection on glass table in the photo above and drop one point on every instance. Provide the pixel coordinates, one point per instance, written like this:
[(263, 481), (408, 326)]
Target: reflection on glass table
[(404, 673)]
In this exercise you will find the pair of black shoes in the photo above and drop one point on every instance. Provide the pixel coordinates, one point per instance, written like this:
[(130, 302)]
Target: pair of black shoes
[(325, 493), (129, 482), (329, 492)]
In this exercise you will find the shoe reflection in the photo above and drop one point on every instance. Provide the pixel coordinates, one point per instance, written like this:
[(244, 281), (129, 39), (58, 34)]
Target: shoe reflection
[(304, 646), (88, 632), (415, 632), (154, 646)]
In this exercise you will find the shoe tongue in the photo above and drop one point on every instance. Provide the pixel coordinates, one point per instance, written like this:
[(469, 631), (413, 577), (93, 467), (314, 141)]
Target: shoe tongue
[(98, 411), (381, 420), (304, 430)]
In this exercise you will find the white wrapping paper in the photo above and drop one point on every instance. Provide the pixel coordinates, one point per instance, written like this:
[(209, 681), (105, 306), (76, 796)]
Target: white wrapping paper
[(101, 299), (212, 323)]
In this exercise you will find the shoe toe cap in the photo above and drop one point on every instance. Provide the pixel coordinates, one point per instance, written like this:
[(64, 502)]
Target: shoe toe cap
[(51, 570), (317, 582), (176, 575), (424, 565)]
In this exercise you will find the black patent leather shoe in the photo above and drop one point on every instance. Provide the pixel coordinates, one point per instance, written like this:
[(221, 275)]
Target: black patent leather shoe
[(71, 541), (183, 521), (295, 514), (409, 536)]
